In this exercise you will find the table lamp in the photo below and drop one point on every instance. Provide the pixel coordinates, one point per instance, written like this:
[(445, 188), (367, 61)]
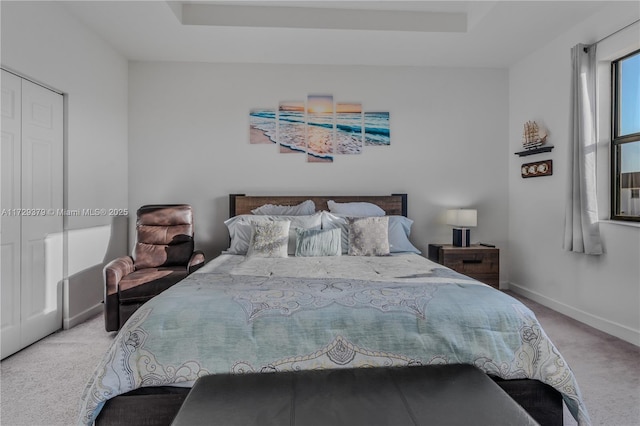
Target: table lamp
[(462, 219)]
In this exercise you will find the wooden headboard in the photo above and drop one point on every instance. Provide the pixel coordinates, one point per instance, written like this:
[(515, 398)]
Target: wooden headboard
[(394, 204)]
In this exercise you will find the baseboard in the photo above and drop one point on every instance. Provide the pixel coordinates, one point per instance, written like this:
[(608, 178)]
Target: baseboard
[(68, 323), (618, 330)]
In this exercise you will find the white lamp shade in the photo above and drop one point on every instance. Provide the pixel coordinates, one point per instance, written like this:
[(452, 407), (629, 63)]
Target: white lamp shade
[(462, 217)]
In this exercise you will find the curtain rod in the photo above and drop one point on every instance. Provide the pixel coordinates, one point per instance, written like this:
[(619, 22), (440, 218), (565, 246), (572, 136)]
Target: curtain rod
[(612, 34)]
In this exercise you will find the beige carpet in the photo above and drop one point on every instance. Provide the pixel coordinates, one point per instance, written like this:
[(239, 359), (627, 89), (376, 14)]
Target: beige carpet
[(42, 384), (607, 368)]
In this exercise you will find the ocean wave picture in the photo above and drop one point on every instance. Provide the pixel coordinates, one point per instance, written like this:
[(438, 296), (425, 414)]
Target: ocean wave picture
[(292, 127), (262, 126), (320, 128), (348, 128), (376, 129)]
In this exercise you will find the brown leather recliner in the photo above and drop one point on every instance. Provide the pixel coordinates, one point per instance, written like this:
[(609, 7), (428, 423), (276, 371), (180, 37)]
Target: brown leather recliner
[(163, 255)]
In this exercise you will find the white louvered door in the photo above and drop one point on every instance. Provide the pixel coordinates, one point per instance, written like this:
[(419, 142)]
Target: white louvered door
[(32, 226)]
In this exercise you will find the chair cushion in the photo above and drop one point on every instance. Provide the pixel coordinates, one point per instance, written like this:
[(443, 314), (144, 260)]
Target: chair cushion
[(154, 255), (142, 285), (165, 215), (164, 236)]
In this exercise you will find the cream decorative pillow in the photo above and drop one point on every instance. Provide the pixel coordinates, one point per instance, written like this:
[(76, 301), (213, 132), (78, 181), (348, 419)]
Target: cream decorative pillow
[(269, 239), (368, 236)]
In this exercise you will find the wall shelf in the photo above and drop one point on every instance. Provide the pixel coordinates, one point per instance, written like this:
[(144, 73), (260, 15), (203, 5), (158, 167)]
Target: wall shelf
[(533, 151)]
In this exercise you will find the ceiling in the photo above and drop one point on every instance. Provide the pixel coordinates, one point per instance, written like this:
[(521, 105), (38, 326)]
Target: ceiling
[(403, 33)]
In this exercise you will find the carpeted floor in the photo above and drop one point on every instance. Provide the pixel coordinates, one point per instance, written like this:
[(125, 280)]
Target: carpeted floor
[(607, 368), (42, 384)]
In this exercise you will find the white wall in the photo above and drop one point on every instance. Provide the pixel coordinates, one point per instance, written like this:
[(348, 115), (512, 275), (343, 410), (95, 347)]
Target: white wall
[(603, 291), (188, 133), (41, 41)]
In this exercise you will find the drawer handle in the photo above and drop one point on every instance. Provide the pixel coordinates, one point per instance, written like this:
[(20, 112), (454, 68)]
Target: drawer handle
[(471, 260)]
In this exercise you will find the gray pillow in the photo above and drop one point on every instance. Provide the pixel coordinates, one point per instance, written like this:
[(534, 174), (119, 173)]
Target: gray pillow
[(269, 239), (314, 242), (307, 207), (357, 208), (368, 236), (399, 230)]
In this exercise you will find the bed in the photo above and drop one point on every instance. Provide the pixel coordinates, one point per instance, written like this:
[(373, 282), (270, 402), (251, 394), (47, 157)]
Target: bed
[(248, 313)]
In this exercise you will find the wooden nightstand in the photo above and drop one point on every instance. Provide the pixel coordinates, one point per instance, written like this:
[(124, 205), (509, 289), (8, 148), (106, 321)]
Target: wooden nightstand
[(479, 262)]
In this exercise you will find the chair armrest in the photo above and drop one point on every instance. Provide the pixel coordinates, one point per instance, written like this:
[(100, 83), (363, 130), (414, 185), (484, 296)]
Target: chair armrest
[(114, 271), (196, 261)]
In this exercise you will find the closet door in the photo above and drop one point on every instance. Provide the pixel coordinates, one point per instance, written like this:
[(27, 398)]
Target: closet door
[(10, 234), (42, 186), (36, 284)]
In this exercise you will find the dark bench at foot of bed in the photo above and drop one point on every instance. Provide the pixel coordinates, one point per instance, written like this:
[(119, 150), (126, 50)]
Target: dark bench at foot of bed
[(444, 394), (158, 406)]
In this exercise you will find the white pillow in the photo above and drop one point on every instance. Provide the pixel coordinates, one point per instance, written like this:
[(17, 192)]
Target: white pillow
[(355, 209), (305, 208), (269, 239), (399, 231), (240, 229)]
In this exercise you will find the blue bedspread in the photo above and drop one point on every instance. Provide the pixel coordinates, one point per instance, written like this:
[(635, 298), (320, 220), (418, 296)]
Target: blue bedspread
[(221, 322)]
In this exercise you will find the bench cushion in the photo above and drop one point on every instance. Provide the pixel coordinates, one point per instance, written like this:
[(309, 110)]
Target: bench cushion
[(443, 394)]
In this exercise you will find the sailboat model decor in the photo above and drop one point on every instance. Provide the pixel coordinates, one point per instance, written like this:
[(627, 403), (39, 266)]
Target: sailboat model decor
[(531, 135), (533, 140)]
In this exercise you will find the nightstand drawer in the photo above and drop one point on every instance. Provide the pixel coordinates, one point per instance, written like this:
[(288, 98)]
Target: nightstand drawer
[(473, 262), (479, 262)]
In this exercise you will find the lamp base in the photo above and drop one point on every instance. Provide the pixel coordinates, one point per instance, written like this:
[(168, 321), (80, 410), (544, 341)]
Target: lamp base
[(461, 237)]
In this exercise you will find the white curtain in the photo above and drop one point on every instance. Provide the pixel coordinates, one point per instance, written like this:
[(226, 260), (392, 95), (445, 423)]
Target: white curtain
[(581, 229)]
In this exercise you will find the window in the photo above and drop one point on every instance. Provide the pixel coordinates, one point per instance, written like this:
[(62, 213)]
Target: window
[(625, 146)]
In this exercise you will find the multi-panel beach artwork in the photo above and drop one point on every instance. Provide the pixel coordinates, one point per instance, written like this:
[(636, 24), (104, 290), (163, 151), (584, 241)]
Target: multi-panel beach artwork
[(319, 128)]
